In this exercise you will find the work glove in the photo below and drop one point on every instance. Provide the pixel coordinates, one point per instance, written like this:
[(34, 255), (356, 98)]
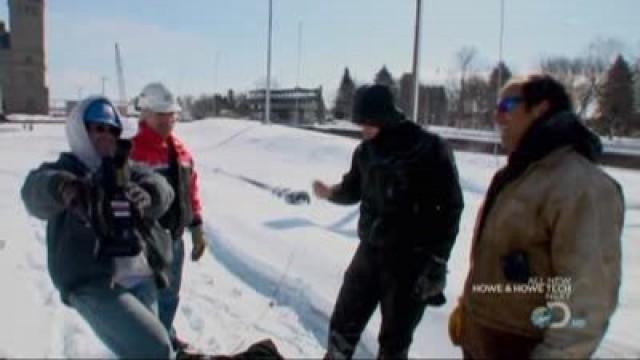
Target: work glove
[(139, 197), (431, 282), (455, 324), (199, 242)]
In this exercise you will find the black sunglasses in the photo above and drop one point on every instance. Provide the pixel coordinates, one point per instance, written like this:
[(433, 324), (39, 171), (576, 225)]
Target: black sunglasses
[(508, 104), (100, 128)]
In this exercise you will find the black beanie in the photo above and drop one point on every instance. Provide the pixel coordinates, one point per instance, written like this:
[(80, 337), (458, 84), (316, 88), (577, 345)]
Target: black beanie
[(373, 105)]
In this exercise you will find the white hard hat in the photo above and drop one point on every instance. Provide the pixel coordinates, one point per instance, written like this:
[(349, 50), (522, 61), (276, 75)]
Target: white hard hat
[(155, 97)]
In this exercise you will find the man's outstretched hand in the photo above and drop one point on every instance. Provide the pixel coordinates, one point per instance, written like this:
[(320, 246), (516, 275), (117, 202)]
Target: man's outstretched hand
[(321, 190)]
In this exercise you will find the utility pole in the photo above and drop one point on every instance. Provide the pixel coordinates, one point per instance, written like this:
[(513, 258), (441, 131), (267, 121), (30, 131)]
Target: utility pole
[(103, 80), (500, 74), (267, 106), (215, 84), (416, 61), (297, 112), (501, 43), (299, 53)]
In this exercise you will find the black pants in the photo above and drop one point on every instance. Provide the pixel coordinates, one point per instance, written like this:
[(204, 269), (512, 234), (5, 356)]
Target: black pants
[(376, 276)]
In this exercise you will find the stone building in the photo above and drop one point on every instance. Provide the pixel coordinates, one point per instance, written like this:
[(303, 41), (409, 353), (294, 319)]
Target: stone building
[(23, 67)]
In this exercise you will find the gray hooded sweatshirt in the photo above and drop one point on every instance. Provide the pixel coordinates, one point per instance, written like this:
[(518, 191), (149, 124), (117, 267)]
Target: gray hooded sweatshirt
[(71, 242)]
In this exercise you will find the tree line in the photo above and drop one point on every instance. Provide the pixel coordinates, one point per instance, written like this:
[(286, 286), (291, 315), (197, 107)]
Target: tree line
[(604, 85), (207, 105)]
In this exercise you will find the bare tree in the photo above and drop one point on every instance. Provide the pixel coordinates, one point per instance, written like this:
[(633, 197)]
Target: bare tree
[(465, 58), (452, 89), (583, 75), (563, 69), (477, 98), (599, 56), (606, 49), (577, 75)]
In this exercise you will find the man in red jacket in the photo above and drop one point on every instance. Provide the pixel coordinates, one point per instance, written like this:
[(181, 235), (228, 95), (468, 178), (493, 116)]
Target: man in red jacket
[(157, 146)]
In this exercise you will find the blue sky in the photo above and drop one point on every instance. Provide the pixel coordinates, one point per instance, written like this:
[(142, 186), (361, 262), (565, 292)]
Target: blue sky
[(178, 41)]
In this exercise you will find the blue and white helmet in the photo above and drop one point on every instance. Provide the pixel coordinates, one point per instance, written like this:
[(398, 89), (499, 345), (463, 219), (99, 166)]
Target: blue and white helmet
[(101, 111), (94, 109)]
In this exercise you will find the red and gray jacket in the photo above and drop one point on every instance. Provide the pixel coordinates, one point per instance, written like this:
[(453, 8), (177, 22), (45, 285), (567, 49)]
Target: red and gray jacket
[(171, 158)]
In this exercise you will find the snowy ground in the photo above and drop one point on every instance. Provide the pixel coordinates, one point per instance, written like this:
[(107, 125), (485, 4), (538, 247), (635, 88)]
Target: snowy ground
[(273, 269)]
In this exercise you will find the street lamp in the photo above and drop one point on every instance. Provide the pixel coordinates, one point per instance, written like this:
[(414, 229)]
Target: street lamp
[(267, 116), (104, 81)]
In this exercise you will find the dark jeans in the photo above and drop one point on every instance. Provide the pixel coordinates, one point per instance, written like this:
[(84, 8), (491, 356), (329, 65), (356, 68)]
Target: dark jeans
[(375, 276), (169, 297)]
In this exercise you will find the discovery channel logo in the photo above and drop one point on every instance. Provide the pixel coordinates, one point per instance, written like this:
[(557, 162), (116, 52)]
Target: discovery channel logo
[(555, 315)]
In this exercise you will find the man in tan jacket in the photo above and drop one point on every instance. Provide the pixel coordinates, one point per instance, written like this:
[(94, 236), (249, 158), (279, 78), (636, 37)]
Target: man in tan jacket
[(545, 258)]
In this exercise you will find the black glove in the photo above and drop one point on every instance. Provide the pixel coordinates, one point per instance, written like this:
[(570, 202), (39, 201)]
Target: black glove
[(139, 197), (431, 282)]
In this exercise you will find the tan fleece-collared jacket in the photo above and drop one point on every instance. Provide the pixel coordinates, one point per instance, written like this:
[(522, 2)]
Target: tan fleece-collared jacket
[(566, 215)]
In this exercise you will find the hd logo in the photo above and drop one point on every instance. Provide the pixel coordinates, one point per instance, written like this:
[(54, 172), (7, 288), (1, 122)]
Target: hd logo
[(555, 315)]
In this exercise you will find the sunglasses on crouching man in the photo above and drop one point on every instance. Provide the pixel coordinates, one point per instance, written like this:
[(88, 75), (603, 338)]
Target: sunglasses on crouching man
[(508, 104), (101, 128)]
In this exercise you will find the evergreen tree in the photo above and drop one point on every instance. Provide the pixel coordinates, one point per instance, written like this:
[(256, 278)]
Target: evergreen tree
[(499, 76), (616, 99), (384, 77), (344, 98)]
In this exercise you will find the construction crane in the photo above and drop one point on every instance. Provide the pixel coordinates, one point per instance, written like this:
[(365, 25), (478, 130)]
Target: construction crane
[(121, 86)]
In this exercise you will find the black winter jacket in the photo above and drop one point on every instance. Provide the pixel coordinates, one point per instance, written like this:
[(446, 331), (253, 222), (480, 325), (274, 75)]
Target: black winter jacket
[(407, 182)]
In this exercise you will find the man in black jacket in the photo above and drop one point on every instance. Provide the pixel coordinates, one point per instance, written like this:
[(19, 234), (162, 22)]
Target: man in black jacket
[(411, 201)]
